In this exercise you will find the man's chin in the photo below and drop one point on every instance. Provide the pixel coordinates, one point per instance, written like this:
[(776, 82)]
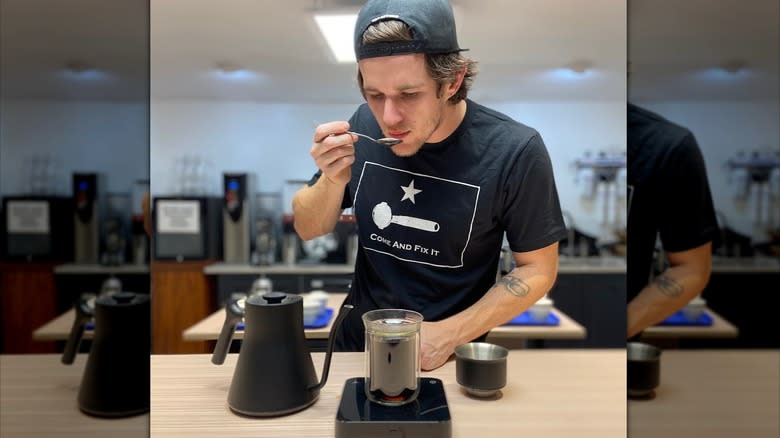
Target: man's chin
[(405, 150)]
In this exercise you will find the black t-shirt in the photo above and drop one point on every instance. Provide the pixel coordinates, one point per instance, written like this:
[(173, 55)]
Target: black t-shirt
[(669, 195), (431, 225)]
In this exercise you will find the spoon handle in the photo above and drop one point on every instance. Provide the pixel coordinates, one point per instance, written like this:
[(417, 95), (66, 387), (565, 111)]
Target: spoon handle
[(362, 135)]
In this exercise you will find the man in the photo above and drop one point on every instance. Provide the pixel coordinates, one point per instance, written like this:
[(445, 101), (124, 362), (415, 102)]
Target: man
[(669, 197), (432, 211)]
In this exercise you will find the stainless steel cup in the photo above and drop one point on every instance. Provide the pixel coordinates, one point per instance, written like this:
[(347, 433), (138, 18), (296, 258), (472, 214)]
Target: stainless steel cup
[(643, 369), (480, 368)]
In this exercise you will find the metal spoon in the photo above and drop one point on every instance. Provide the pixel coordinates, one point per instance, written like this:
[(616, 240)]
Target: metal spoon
[(386, 141)]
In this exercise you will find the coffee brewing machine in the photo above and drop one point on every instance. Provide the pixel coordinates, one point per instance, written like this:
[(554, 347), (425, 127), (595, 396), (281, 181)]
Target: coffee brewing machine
[(86, 217), (186, 227), (753, 177), (139, 241), (236, 216), (37, 228), (605, 174), (114, 229), (266, 228)]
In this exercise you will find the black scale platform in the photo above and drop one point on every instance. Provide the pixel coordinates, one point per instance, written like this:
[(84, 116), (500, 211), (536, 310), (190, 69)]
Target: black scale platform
[(426, 417)]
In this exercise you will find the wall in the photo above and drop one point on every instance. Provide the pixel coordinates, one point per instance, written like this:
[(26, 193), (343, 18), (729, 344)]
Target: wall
[(271, 141), (76, 137)]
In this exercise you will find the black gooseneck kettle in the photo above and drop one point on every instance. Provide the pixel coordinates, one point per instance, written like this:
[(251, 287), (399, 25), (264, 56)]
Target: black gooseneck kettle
[(115, 382), (274, 374)]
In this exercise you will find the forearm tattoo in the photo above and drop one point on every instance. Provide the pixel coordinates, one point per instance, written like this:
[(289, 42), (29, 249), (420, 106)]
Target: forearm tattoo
[(515, 285), (668, 286)]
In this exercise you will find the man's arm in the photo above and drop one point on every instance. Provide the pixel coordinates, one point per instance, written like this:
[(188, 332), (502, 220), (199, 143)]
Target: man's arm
[(317, 208), (533, 277), (686, 277)]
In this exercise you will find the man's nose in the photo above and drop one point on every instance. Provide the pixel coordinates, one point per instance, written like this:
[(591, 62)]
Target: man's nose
[(391, 116)]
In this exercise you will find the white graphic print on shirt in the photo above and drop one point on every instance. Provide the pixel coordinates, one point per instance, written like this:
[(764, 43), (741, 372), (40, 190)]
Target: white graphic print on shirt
[(414, 217)]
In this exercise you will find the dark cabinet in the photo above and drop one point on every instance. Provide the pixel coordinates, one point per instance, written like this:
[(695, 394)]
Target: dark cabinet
[(598, 302), (744, 299)]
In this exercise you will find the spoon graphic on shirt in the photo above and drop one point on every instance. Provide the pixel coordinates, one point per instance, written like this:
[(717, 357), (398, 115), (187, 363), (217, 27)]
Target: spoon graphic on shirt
[(383, 216), (385, 141)]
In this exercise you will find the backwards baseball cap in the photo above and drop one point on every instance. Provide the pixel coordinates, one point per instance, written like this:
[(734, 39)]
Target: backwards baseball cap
[(431, 22)]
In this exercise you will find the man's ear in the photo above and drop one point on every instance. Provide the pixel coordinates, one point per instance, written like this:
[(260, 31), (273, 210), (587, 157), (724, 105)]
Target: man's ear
[(454, 86)]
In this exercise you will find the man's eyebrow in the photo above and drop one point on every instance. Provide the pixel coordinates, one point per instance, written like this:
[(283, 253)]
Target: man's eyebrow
[(401, 88)]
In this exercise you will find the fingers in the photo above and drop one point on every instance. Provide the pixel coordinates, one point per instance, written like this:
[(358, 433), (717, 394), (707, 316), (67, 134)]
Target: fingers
[(327, 129), (428, 363), (332, 142), (333, 149)]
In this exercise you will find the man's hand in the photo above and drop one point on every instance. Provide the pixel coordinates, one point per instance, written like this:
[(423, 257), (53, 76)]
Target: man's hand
[(437, 344), (333, 151)]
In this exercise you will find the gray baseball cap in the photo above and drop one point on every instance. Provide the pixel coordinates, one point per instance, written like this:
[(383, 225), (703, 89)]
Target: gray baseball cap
[(431, 22)]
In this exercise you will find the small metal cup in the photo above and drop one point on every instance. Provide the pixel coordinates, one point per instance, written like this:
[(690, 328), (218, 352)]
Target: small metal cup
[(480, 368), (643, 370)]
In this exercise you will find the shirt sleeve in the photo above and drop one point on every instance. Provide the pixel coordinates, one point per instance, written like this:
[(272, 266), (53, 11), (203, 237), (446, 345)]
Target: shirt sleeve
[(687, 216), (532, 212)]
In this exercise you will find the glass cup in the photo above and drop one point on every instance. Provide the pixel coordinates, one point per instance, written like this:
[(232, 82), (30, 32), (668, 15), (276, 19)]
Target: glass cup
[(392, 352)]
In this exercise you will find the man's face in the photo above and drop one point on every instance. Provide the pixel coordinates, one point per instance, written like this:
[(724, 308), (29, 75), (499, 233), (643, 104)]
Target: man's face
[(402, 96)]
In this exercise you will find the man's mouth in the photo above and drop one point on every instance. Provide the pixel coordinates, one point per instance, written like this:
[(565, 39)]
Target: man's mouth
[(399, 134)]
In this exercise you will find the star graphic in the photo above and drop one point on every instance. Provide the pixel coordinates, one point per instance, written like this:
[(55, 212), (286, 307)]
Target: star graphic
[(409, 192)]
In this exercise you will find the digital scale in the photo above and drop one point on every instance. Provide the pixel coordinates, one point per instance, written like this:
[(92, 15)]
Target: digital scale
[(428, 416)]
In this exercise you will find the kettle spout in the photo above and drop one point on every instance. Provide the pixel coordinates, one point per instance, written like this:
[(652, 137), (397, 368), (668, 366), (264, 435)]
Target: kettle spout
[(326, 366)]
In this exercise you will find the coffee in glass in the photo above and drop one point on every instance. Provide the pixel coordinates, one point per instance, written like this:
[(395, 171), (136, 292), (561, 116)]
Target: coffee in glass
[(392, 352)]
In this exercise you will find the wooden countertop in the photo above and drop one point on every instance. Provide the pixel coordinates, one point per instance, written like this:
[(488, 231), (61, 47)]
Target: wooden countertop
[(720, 328), (38, 398), (713, 394), (549, 393), (58, 329), (209, 328)]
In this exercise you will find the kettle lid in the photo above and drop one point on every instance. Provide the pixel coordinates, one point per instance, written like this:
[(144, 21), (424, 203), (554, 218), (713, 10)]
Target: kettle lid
[(273, 299), (122, 299)]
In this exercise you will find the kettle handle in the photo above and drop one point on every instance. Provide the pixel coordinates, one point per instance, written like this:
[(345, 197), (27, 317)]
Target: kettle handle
[(83, 315), (233, 315), (326, 366)]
